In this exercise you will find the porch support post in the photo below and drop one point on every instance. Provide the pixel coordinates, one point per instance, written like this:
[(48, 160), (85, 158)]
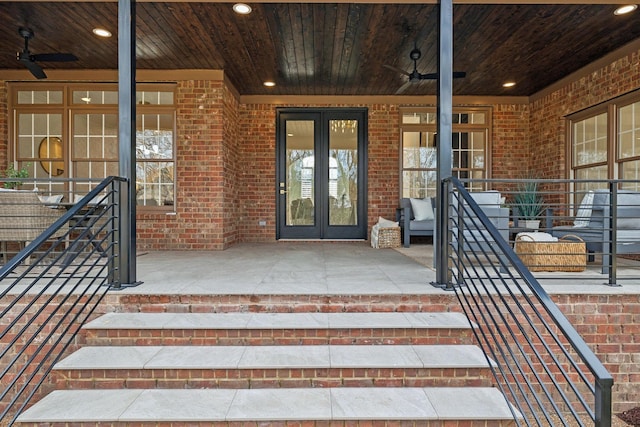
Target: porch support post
[(444, 129), (126, 133)]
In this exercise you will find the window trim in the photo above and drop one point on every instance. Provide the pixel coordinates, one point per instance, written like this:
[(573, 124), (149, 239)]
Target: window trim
[(67, 108), (486, 128), (611, 107)]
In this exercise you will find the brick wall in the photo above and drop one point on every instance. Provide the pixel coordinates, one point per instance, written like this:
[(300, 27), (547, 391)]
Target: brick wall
[(511, 153), (258, 152), (610, 325), (4, 126), (200, 164), (256, 192), (548, 124), (231, 168)]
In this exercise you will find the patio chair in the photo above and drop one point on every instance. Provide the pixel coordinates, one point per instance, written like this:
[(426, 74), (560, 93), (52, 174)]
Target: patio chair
[(23, 217), (412, 225), (593, 224)]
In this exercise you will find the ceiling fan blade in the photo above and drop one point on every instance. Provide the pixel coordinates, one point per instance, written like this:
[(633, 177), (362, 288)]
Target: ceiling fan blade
[(403, 87), (429, 76), (55, 57), (406, 73), (35, 69), (434, 76)]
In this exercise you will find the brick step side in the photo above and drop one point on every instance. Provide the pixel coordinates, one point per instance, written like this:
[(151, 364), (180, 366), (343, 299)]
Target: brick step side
[(270, 378), (294, 303), (277, 329), (125, 337), (272, 367), (306, 423)]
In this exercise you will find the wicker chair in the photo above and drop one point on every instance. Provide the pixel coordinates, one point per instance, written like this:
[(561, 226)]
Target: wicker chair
[(23, 217)]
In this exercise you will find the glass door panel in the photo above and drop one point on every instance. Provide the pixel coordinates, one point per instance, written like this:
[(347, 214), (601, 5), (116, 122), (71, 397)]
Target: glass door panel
[(300, 167), (343, 172)]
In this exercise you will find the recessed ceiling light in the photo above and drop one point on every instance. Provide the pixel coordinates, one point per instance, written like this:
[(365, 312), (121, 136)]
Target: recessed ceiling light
[(101, 32), (509, 84), (269, 84), (625, 9), (242, 8)]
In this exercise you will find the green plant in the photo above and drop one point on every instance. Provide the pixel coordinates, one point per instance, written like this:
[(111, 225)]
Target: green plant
[(12, 172), (528, 200)]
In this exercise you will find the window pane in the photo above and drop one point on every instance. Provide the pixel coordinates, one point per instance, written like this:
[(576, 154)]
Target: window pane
[(39, 140), (418, 150), (95, 97), (631, 170), (590, 140), (154, 136), (419, 184), (419, 118), (629, 131), (154, 183), (95, 136), (40, 97), (154, 98)]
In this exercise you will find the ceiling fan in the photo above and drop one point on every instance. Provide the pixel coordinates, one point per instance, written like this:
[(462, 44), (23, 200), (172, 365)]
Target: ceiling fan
[(415, 76), (29, 60)]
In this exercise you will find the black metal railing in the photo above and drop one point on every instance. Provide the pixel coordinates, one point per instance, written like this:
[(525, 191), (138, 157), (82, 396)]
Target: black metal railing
[(541, 364), (51, 287), (602, 215)]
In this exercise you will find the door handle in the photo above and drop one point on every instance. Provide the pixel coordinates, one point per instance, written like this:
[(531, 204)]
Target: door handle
[(283, 192)]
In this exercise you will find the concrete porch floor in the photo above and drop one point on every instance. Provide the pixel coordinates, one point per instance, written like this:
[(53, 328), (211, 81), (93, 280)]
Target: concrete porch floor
[(329, 268)]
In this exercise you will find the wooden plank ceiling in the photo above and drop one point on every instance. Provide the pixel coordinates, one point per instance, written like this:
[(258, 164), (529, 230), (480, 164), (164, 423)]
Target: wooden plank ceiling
[(330, 49)]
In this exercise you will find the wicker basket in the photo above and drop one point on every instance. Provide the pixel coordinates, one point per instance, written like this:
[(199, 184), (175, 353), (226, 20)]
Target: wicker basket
[(389, 237), (563, 255)]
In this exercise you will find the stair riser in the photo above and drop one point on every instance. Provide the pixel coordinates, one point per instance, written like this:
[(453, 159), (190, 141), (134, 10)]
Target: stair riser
[(350, 423), (127, 337), (280, 303), (270, 378)]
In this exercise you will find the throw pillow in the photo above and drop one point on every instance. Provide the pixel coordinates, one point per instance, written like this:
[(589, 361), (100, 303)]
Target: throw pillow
[(51, 201), (385, 223), (583, 216), (422, 209)]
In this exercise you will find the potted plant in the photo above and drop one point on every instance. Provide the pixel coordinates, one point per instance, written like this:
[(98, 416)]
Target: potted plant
[(529, 204), (12, 172)]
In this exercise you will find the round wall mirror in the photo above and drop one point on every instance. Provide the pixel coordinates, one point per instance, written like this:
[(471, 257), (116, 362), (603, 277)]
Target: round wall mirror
[(51, 148)]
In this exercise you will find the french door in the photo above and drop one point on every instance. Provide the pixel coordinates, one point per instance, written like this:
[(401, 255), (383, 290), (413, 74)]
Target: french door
[(321, 173)]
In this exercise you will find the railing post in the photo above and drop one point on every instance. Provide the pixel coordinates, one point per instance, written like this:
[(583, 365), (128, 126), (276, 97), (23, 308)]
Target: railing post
[(602, 410), (613, 234), (113, 230)]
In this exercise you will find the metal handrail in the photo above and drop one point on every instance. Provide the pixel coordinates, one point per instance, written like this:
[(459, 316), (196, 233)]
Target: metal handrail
[(540, 362), (49, 289)]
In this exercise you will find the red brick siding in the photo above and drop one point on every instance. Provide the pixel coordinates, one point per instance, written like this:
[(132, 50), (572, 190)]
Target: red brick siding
[(256, 192), (4, 125), (200, 159), (548, 123), (231, 166), (609, 324), (510, 150)]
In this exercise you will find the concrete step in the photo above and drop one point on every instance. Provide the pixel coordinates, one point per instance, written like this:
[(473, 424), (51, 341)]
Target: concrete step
[(124, 329), (273, 366), (333, 406)]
